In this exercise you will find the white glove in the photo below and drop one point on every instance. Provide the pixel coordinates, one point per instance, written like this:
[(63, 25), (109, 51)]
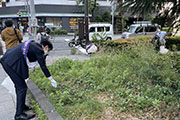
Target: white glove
[(53, 82)]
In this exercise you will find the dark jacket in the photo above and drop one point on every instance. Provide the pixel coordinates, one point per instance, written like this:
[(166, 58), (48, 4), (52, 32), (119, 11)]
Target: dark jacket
[(15, 59)]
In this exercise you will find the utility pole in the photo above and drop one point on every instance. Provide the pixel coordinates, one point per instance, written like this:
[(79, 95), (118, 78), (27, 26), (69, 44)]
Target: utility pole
[(86, 22), (32, 20), (113, 9)]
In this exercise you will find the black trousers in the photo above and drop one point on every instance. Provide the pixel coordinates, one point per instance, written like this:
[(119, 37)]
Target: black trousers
[(20, 86)]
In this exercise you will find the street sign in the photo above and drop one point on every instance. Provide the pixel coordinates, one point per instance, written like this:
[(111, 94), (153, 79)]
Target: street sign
[(19, 13), (22, 13)]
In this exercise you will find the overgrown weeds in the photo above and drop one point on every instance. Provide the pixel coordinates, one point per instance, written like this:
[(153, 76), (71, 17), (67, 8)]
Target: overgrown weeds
[(135, 80)]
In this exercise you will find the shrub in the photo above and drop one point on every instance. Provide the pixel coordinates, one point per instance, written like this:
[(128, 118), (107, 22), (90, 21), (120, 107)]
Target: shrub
[(58, 32), (99, 38), (171, 41), (166, 29), (123, 43)]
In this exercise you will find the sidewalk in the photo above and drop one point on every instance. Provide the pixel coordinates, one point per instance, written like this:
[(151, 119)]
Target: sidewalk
[(7, 104)]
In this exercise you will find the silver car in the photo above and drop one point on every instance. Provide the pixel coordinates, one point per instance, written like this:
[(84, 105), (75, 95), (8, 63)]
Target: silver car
[(140, 29)]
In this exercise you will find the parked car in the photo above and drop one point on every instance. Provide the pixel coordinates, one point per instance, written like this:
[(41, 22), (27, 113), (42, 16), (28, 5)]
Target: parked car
[(104, 29), (140, 29)]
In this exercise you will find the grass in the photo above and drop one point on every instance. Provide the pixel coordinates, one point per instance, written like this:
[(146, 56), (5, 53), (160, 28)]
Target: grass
[(135, 82), (36, 108)]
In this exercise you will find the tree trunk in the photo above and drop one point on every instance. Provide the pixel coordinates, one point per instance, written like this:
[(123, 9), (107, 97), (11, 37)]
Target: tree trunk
[(117, 29), (121, 15), (93, 10)]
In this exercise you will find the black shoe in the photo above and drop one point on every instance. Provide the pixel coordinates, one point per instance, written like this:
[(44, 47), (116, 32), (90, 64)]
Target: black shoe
[(27, 108), (24, 116)]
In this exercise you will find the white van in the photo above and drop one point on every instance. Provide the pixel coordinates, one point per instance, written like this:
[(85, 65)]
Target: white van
[(104, 29), (140, 29)]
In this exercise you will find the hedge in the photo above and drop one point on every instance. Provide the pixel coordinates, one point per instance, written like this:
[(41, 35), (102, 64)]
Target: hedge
[(166, 29), (58, 32), (172, 43)]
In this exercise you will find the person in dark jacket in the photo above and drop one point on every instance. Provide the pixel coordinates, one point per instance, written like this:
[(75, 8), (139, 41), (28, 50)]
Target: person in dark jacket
[(14, 62)]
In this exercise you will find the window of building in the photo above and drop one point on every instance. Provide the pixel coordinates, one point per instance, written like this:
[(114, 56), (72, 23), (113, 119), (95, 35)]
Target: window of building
[(73, 22), (55, 21)]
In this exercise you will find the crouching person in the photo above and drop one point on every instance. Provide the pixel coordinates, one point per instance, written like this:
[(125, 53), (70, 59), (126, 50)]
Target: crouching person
[(14, 62), (159, 38)]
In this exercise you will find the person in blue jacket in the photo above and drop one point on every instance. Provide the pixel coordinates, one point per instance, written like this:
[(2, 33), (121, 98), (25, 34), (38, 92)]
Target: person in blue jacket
[(14, 62)]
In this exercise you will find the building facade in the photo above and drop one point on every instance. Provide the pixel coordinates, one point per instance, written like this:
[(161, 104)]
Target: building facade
[(60, 13)]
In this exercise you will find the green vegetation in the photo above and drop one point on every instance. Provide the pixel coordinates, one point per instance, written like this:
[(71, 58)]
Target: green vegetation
[(133, 82), (164, 17), (58, 32), (173, 43), (36, 108), (166, 29), (105, 17), (73, 51)]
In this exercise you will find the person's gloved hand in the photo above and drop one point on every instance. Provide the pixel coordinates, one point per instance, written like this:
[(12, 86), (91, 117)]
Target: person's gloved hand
[(53, 82)]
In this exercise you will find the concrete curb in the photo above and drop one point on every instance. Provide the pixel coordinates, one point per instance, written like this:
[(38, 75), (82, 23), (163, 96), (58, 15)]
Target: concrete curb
[(41, 99)]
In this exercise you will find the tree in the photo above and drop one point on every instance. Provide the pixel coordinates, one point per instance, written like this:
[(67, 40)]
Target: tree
[(106, 17), (168, 9), (93, 5), (120, 11), (98, 18)]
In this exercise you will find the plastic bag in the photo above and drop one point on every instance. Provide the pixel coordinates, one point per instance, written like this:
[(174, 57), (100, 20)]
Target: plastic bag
[(9, 85), (163, 50), (91, 49)]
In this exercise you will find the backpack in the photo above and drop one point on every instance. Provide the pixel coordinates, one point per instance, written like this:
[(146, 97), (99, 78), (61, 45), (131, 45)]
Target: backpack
[(48, 30), (44, 37)]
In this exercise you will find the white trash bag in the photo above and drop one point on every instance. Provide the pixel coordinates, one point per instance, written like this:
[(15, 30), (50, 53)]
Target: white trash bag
[(91, 49), (9, 85), (163, 50)]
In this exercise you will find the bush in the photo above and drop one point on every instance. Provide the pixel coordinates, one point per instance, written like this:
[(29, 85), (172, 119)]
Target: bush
[(58, 32), (122, 43), (98, 39), (137, 80), (166, 29), (173, 41)]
